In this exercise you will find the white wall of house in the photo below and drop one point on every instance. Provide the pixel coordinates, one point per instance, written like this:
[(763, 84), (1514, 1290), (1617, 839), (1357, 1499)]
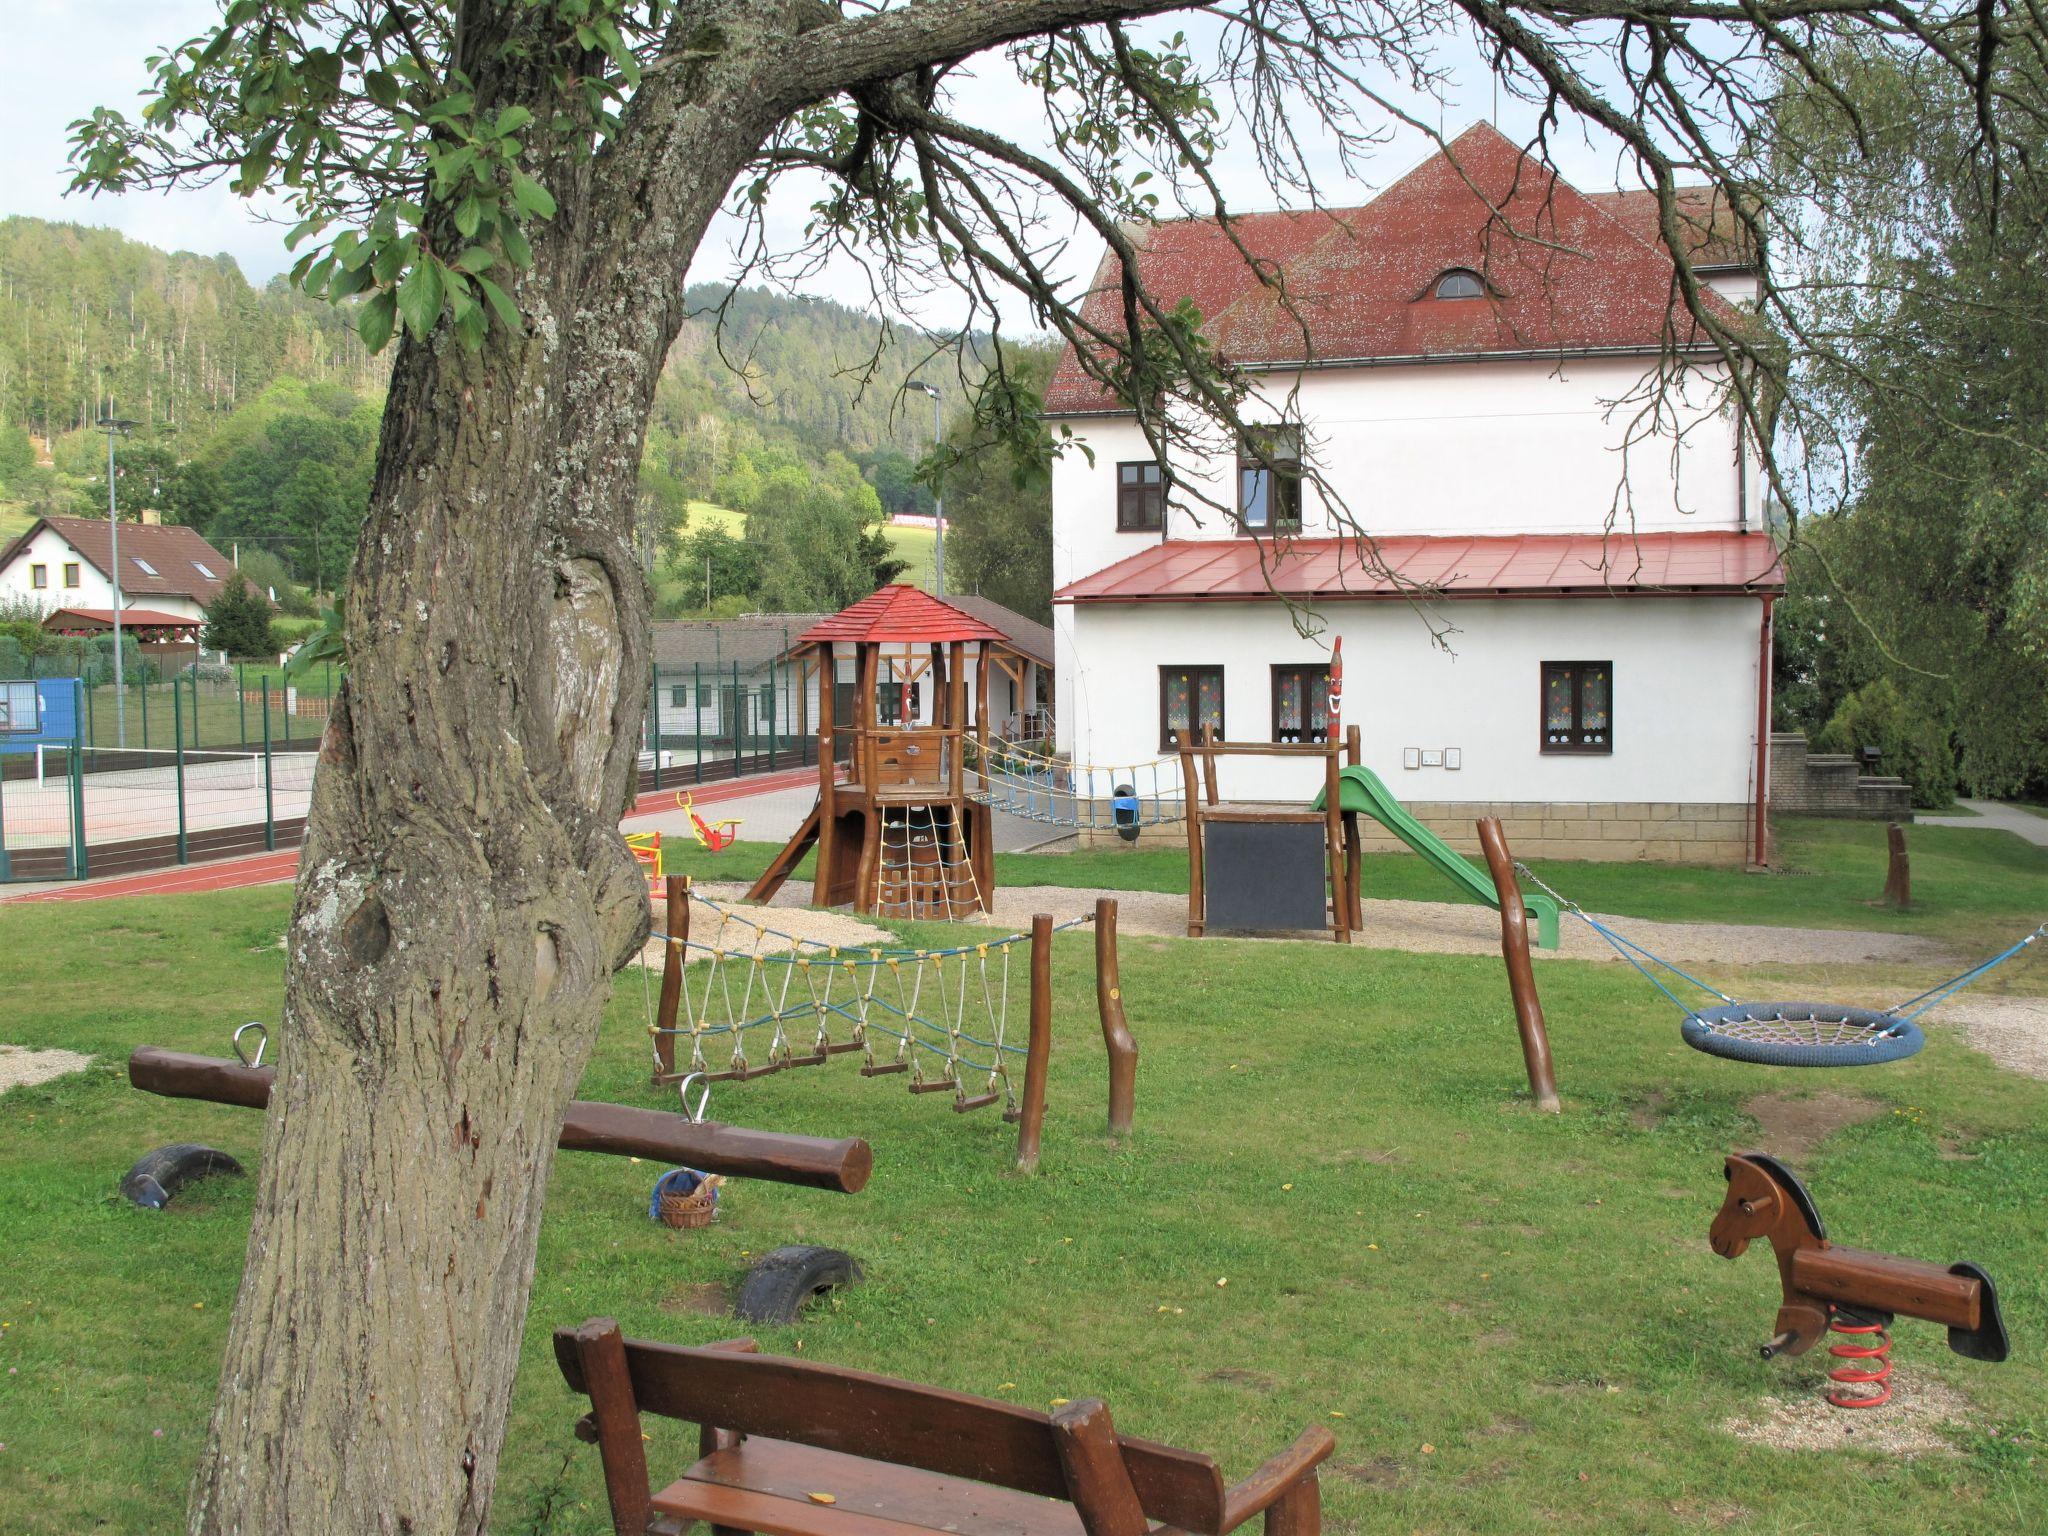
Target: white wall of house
[(1471, 448), (1684, 703), (50, 550)]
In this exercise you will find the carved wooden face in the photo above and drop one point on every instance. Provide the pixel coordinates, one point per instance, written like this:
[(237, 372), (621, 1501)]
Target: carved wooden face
[(1751, 1207)]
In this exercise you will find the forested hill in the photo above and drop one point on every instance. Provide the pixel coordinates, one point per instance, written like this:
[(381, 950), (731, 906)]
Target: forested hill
[(178, 340)]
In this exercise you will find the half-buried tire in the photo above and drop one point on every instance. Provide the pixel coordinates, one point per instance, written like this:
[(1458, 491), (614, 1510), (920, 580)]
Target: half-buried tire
[(778, 1286), (159, 1175)]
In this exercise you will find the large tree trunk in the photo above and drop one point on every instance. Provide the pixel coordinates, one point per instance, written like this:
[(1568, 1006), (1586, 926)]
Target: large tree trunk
[(464, 896)]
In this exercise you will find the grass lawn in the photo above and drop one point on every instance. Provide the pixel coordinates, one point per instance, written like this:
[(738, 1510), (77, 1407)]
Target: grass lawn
[(1975, 889), (912, 544), (15, 520), (1511, 1321)]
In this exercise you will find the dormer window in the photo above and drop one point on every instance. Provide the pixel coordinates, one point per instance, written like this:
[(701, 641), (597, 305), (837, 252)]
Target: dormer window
[(146, 566), (1460, 283)]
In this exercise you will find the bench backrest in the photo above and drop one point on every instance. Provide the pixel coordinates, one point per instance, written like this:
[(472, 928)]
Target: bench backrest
[(887, 1420)]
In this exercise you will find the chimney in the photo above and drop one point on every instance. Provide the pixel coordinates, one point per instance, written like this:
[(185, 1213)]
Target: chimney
[(151, 517)]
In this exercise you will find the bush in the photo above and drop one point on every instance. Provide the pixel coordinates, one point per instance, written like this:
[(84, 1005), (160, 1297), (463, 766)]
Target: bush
[(1912, 738), (238, 622)]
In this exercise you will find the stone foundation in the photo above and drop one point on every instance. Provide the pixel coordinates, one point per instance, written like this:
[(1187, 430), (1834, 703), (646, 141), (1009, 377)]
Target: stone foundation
[(1657, 831), (1807, 783)]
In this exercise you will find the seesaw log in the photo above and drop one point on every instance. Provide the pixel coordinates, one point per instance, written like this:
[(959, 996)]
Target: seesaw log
[(624, 1131)]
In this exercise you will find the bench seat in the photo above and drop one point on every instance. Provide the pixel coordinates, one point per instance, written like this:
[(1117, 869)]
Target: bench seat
[(766, 1486)]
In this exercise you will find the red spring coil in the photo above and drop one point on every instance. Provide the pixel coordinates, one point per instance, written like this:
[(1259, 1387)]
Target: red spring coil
[(1872, 1371)]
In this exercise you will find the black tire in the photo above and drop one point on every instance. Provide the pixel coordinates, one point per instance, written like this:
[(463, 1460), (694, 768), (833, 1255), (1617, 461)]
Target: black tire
[(777, 1287), (159, 1175)]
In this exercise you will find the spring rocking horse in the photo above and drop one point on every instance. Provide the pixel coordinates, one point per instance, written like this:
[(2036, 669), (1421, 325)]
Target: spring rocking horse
[(1847, 1290)]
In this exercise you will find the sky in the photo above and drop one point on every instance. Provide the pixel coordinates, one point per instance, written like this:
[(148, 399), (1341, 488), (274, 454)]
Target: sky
[(59, 59)]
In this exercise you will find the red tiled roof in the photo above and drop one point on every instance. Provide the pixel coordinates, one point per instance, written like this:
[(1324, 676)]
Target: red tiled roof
[(1521, 565), (1563, 275), (1713, 238), (898, 613), (103, 618), (157, 559)]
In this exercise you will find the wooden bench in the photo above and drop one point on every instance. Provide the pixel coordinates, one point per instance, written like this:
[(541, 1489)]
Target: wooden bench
[(892, 1458)]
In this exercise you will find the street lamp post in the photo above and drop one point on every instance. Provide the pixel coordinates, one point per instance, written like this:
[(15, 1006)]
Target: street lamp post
[(116, 426), (938, 501)]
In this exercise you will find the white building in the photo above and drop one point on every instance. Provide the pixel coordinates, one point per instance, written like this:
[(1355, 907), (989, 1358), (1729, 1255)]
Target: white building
[(68, 563), (1567, 618)]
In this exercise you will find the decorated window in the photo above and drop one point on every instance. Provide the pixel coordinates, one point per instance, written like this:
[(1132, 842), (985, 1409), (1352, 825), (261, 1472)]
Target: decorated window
[(1140, 497), (1301, 703), (1578, 706), (1269, 481), (1190, 701)]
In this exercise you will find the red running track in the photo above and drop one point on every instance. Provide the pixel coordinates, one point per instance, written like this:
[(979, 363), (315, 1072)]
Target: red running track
[(270, 868)]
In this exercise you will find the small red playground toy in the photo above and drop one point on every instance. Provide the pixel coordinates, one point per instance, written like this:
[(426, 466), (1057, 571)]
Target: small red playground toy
[(715, 836)]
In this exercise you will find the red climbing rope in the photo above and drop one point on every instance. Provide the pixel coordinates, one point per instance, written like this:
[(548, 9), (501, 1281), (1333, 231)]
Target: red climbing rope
[(1873, 1369)]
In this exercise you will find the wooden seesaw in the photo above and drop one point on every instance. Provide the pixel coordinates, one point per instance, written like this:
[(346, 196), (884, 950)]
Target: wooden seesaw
[(1847, 1290), (730, 1150)]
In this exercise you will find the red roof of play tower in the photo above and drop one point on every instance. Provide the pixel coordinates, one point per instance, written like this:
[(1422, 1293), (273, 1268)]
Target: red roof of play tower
[(897, 614)]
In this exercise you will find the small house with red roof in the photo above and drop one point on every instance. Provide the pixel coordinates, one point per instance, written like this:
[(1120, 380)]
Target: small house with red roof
[(166, 572), (1564, 610)]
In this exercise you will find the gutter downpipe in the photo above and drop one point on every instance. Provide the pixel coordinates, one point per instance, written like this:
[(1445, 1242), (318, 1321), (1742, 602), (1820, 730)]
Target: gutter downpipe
[(1761, 831)]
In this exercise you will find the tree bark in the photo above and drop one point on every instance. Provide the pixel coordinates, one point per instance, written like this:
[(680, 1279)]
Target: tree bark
[(463, 894)]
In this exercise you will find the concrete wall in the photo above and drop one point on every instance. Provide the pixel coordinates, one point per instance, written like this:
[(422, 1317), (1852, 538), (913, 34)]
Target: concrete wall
[(1481, 448), (1805, 783), (1685, 704)]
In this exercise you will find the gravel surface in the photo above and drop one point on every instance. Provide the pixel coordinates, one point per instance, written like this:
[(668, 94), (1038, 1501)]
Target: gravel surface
[(2012, 1031), (20, 1067)]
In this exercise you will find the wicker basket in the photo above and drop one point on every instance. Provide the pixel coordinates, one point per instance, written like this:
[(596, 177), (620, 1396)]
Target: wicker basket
[(694, 1204)]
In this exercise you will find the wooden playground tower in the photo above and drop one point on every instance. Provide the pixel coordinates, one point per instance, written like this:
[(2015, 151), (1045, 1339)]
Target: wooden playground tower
[(899, 835)]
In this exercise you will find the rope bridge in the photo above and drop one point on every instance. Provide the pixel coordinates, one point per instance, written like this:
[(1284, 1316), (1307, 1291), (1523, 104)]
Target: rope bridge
[(1035, 783), (740, 1000)]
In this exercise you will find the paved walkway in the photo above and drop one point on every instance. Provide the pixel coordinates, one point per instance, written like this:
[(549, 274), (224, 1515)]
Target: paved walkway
[(2023, 824)]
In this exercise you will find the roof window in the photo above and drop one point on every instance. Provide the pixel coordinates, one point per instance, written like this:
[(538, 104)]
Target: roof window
[(1460, 283), (202, 570), (152, 570)]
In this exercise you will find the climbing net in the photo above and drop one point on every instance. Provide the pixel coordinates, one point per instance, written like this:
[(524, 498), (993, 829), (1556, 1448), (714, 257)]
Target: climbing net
[(750, 1000), (1786, 1034), (923, 871), (1032, 781)]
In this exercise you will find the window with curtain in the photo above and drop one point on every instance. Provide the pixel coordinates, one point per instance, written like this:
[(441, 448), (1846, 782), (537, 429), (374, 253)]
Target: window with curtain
[(1301, 703), (1578, 706), (1190, 699), (1269, 481), (1140, 497)]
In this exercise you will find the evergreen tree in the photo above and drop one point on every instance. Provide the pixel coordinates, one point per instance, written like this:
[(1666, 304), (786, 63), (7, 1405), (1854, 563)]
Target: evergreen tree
[(238, 621)]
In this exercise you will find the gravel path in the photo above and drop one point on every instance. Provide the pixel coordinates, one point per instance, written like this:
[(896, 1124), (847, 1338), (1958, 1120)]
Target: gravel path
[(21, 1067)]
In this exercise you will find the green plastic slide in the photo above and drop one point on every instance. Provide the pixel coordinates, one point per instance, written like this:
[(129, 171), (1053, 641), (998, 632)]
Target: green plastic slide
[(1360, 789)]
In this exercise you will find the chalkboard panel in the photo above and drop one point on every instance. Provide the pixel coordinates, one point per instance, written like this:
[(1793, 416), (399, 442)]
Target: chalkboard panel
[(1263, 876)]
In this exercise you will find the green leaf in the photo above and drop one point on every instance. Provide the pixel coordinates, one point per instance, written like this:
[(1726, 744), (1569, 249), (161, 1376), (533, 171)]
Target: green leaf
[(468, 214), (476, 259), (419, 296), (511, 120), (531, 197), (375, 318), (517, 251), (501, 303)]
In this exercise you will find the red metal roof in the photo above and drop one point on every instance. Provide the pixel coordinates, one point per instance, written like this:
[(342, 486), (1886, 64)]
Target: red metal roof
[(1563, 273), (1521, 565), (897, 614), (131, 618)]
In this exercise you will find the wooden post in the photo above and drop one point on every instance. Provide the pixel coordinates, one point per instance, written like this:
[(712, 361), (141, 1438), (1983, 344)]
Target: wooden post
[(1098, 1482), (1514, 946), (956, 719), (676, 924), (828, 787), (983, 820), (1354, 854), (601, 1353), (1333, 835), (1116, 1030), (1191, 805), (1038, 1052), (867, 873), (1898, 875), (1209, 763)]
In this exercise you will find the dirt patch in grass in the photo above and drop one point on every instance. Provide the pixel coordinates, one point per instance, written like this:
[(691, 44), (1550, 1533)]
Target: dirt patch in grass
[(707, 1298), (1714, 1516), (1789, 1127), (1915, 1422), (1380, 1472), (21, 1067), (1236, 1378)]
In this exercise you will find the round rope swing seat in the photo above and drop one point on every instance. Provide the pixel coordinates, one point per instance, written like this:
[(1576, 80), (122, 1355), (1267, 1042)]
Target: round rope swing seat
[(1787, 1034), (1802, 1034)]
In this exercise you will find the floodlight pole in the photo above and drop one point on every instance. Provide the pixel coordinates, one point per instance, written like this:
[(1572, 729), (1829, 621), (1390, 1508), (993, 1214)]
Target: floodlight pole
[(938, 502), (114, 426)]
